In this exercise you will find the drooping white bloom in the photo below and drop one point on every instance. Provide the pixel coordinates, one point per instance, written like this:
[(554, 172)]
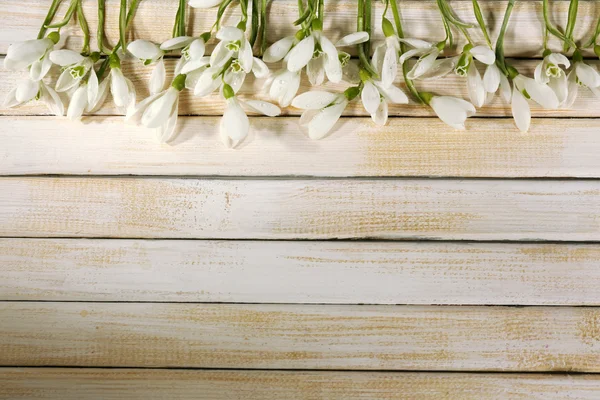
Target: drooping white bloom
[(29, 90), (284, 86), (452, 110), (159, 112), (427, 65), (192, 54), (549, 72), (75, 68), (465, 66), (150, 53), (121, 88), (234, 126), (32, 54), (525, 87), (88, 97), (385, 59), (233, 44), (581, 75), (204, 3), (314, 46), (322, 111)]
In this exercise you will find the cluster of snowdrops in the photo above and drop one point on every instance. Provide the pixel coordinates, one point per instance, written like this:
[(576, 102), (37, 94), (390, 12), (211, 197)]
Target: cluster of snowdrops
[(88, 76)]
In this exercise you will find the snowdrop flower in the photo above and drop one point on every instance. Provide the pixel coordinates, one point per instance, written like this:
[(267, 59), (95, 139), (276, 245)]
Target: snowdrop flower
[(233, 44), (32, 54), (234, 126), (385, 56), (88, 97), (375, 96), (284, 86), (465, 66), (75, 67), (322, 110), (581, 75), (121, 88), (427, 66), (451, 110), (159, 111), (192, 52), (316, 45), (150, 53), (528, 88), (204, 3), (29, 90), (549, 72)]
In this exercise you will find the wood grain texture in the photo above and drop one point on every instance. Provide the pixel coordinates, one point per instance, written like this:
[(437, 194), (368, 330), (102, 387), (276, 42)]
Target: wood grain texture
[(299, 272), (130, 384), (586, 105), (421, 19), (300, 336), (300, 209), (405, 147)]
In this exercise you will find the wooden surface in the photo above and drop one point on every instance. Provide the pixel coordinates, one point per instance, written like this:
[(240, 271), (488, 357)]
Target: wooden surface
[(211, 274), (126, 384)]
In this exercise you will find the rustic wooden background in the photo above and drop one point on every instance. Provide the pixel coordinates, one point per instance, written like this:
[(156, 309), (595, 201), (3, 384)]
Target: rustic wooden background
[(468, 265)]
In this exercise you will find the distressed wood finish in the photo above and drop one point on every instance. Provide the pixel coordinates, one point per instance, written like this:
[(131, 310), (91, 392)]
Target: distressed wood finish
[(586, 104), (130, 384), (154, 21), (300, 209), (300, 336), (405, 147), (285, 272)]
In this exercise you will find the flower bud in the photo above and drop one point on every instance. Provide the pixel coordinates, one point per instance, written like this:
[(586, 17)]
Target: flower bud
[(228, 92), (387, 27), (351, 93), (462, 67)]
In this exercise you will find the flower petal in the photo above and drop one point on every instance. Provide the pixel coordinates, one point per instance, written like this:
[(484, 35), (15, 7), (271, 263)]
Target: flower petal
[(157, 78), (484, 54), (324, 121), (440, 68), (15, 65), (259, 68), (92, 87), (195, 64), (78, 103), (416, 43), (197, 49), (389, 68), (333, 66), (118, 88), (65, 57), (377, 59), (352, 39), (587, 75), (314, 100), (451, 110), (191, 79), (279, 49), (491, 78), (11, 99), (539, 74), (284, 87), (520, 110), (166, 131), (423, 64), (220, 55), (27, 90), (134, 114), (560, 86), (505, 89), (144, 49), (301, 54), (206, 84), (263, 107), (572, 89), (100, 98), (66, 81), (307, 116), (381, 115), (40, 68), (178, 42), (235, 79), (315, 70), (393, 94), (541, 94), (230, 34), (51, 99), (370, 97), (157, 112), (235, 124), (245, 56), (475, 86), (204, 3), (559, 59), (410, 54), (29, 51)]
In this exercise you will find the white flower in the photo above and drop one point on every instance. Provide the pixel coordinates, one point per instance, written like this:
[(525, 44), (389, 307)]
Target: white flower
[(465, 66), (192, 51), (158, 112), (235, 125), (32, 54), (427, 62), (75, 68), (316, 45), (150, 53), (121, 88), (204, 3), (284, 86), (233, 44), (322, 110), (280, 49), (35, 90), (525, 87), (88, 97), (549, 72), (492, 78), (581, 75), (385, 59), (451, 110)]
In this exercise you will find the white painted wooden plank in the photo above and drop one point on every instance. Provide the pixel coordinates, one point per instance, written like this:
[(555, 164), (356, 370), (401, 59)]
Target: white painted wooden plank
[(300, 209), (421, 19), (300, 336), (130, 384), (299, 272), (586, 105), (405, 147)]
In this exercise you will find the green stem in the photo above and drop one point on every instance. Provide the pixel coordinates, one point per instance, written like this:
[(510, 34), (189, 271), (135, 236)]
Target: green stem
[(500, 41), (100, 33), (123, 24), (592, 41), (84, 28), (409, 83), (68, 15), (49, 17), (448, 38), (572, 17), (481, 22), (254, 27), (368, 17), (182, 20), (361, 26), (222, 7), (449, 14), (321, 10), (263, 27), (552, 29)]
